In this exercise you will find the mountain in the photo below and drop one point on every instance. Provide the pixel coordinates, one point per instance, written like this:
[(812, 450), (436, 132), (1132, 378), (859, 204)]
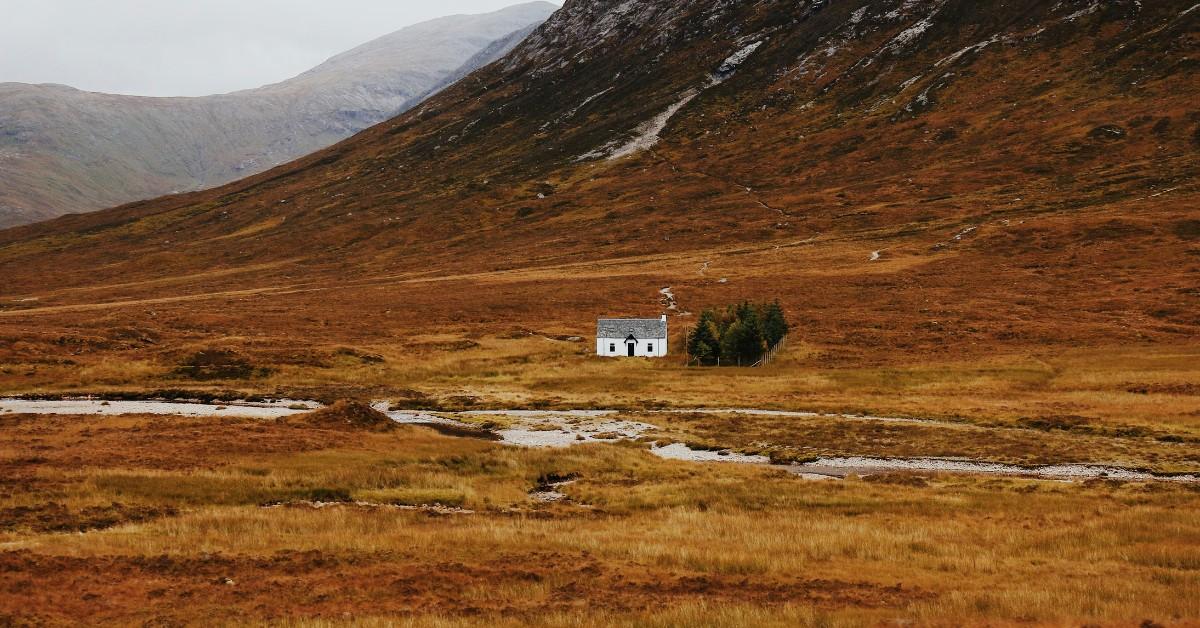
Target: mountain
[(65, 151), (925, 178), (494, 52)]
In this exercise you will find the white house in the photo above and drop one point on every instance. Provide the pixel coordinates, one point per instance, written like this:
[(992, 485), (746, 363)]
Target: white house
[(631, 337)]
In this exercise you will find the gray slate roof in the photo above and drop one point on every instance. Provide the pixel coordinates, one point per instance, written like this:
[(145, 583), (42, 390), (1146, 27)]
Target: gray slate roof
[(640, 328)]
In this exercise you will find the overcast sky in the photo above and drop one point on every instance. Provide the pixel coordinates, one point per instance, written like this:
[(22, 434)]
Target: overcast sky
[(195, 47)]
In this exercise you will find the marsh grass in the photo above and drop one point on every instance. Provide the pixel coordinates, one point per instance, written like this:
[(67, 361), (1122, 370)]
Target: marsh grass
[(1113, 388), (964, 550), (689, 614)]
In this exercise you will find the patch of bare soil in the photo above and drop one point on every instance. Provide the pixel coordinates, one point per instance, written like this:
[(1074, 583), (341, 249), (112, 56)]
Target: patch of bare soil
[(459, 431), (218, 364), (898, 479), (35, 588)]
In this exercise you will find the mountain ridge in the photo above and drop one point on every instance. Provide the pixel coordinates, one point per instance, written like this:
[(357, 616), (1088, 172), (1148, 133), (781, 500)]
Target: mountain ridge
[(878, 166), (64, 150)]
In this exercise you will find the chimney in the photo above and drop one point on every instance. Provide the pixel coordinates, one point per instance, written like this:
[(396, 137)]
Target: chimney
[(664, 318)]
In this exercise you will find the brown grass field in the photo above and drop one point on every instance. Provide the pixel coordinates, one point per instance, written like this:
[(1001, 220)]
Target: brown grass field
[(200, 522), (522, 338), (162, 521)]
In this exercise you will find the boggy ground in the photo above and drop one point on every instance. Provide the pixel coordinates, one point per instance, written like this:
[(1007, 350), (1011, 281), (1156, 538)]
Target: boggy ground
[(1119, 385), (799, 438), (124, 520)]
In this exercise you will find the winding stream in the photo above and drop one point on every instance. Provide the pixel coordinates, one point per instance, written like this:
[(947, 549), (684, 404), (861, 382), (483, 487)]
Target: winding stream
[(567, 428), (242, 409)]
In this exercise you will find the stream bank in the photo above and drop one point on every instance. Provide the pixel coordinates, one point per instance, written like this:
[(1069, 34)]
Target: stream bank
[(567, 428)]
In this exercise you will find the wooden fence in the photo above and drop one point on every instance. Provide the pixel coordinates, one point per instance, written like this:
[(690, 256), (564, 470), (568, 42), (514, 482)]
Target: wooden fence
[(765, 360), (772, 353)]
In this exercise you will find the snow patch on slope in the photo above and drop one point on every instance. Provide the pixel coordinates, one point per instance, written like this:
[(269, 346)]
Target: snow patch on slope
[(905, 37), (735, 60), (1088, 10), (994, 39), (910, 34), (648, 132), (574, 110), (910, 82), (668, 298)]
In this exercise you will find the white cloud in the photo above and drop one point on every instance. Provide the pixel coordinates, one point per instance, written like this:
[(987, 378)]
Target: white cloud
[(194, 47)]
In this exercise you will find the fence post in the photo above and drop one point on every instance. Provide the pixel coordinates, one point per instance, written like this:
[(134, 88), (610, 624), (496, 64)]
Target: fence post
[(771, 353)]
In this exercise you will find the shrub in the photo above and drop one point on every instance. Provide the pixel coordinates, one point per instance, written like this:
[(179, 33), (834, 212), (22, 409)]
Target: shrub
[(217, 364), (328, 495), (1188, 229)]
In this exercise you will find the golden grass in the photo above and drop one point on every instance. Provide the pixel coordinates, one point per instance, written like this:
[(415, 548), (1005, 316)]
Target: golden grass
[(691, 614), (1133, 407), (688, 614), (963, 550), (1098, 384), (988, 555)]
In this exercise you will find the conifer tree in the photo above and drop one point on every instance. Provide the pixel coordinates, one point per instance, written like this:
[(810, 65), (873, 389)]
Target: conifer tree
[(751, 345), (774, 323), (731, 343), (704, 341)]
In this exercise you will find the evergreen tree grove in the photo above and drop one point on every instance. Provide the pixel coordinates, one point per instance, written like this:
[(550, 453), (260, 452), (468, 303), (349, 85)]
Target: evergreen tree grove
[(739, 334)]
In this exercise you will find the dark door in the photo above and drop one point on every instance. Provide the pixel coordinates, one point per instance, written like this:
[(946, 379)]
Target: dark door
[(632, 349)]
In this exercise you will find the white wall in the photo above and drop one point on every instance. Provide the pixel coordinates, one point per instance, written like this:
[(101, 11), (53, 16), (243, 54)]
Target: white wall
[(643, 348)]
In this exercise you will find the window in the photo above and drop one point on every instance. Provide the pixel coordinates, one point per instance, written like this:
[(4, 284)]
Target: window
[(612, 347), (650, 347)]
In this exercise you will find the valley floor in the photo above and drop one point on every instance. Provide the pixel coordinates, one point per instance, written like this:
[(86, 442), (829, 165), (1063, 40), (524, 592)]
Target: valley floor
[(1038, 361), (174, 520)]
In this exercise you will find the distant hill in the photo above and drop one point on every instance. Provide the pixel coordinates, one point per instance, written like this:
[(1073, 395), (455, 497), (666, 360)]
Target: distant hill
[(926, 176), (66, 151)]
